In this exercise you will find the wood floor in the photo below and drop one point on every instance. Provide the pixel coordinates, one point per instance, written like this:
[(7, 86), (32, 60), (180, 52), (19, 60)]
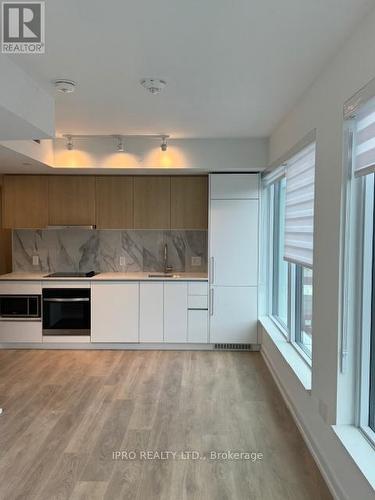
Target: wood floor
[(66, 412)]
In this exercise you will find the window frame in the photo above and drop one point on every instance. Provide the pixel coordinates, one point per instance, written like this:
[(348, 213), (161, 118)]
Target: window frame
[(366, 272), (272, 198), (275, 259)]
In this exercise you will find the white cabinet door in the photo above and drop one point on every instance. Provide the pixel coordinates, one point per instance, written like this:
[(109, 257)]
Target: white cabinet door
[(198, 326), (151, 317), (234, 186), (20, 331), (175, 311), (234, 315), (114, 312), (234, 242)]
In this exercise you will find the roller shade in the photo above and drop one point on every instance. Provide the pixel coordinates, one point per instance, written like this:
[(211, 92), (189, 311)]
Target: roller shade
[(364, 152), (299, 210)]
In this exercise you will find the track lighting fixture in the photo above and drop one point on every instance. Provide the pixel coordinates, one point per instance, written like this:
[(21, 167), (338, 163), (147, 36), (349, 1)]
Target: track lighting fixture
[(120, 145), (164, 144), (69, 142)]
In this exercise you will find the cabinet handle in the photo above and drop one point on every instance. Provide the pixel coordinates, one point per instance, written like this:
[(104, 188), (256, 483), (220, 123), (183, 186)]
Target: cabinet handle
[(211, 301), (212, 270)]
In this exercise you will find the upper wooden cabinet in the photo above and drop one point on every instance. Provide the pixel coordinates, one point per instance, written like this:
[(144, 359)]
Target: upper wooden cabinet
[(71, 200), (114, 202), (25, 201), (189, 202), (110, 202), (152, 202)]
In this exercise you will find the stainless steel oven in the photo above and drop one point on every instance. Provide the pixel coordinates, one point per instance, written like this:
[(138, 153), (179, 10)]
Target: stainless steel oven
[(66, 311), (24, 307)]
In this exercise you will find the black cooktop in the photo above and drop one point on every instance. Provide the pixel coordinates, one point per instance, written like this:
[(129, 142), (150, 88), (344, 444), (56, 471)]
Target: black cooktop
[(73, 274)]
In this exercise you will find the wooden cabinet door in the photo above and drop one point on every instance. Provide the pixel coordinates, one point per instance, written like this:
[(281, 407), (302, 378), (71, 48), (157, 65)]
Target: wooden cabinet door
[(175, 312), (114, 202), (71, 200), (25, 201), (115, 311), (152, 202), (189, 202)]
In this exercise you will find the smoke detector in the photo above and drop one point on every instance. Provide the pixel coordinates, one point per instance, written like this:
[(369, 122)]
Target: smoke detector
[(153, 85), (65, 86)]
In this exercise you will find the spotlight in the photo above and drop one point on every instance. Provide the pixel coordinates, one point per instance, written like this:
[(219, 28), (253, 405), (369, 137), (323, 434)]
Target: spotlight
[(164, 144), (69, 142), (120, 145)]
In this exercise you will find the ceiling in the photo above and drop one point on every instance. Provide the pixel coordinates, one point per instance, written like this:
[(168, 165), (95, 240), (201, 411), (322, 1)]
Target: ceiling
[(233, 68)]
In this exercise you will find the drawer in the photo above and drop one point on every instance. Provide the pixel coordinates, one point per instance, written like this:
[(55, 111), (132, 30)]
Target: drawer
[(20, 288), (197, 302), (198, 326), (20, 331), (198, 288)]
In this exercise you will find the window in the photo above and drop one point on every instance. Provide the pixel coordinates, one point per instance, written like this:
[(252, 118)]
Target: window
[(279, 265), (360, 253), (303, 313), (367, 357), (290, 196)]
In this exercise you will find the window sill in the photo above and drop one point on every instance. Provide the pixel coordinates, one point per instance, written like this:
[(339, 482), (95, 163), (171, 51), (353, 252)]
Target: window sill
[(359, 448), (299, 366)]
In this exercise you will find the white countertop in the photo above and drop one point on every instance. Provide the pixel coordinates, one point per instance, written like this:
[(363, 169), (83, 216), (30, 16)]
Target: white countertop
[(115, 276)]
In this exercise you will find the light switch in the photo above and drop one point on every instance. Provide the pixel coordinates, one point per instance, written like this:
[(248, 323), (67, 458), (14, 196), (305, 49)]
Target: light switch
[(35, 260), (122, 261), (196, 261)]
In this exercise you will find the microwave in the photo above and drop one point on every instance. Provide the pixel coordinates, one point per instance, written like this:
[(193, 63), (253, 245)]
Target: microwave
[(20, 307)]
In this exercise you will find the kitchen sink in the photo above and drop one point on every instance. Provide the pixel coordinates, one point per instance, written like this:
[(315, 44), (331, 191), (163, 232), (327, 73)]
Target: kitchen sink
[(163, 275)]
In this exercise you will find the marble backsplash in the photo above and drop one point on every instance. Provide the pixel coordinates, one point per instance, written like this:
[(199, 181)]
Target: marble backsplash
[(100, 250)]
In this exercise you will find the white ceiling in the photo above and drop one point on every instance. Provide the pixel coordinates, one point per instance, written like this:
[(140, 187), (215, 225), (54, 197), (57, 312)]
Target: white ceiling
[(233, 68)]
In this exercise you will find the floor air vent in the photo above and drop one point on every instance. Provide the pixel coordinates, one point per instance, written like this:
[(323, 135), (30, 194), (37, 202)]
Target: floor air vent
[(235, 347)]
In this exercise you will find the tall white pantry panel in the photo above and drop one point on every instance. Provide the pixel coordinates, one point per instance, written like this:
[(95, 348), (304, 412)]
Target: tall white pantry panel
[(233, 270)]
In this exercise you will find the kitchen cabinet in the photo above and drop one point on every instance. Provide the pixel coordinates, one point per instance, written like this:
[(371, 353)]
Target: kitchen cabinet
[(151, 312), (152, 202), (114, 202), (25, 201), (20, 331), (115, 312), (198, 326), (175, 311), (234, 242), (234, 186), (71, 200), (189, 202), (233, 232), (234, 314)]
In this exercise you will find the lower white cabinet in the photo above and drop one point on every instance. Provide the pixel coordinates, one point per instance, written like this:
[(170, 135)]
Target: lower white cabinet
[(151, 312), (234, 314), (198, 326), (115, 312), (20, 331), (175, 311)]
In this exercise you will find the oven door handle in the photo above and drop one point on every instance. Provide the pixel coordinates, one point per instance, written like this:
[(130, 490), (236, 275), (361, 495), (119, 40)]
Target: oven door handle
[(72, 299)]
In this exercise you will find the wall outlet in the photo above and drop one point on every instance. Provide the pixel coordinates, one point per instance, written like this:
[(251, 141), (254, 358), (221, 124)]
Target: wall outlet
[(196, 261), (122, 261), (35, 260)]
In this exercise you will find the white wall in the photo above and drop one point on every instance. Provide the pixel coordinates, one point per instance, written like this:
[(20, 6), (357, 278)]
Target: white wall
[(26, 110), (196, 154), (321, 108)]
